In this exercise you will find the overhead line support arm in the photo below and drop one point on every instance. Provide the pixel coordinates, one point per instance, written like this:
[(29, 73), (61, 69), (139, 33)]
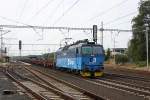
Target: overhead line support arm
[(65, 28)]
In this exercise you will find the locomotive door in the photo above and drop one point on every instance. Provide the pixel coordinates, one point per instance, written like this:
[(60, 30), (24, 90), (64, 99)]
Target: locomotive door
[(77, 58)]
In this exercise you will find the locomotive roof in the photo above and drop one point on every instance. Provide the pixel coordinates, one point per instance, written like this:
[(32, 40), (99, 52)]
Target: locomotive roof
[(78, 44)]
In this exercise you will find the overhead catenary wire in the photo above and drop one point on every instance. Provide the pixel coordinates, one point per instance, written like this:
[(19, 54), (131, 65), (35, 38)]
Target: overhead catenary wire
[(125, 22), (57, 20), (46, 27), (18, 22), (54, 11), (23, 8), (108, 10), (41, 9), (117, 19), (14, 21)]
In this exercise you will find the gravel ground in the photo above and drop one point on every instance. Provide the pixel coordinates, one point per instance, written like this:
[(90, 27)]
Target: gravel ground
[(7, 84), (126, 70), (100, 90)]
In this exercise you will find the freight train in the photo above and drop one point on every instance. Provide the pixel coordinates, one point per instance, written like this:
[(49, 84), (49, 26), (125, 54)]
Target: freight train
[(83, 57), (45, 60)]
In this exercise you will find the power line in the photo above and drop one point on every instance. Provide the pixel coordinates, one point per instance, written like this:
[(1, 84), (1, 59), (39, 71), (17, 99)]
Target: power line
[(125, 22), (108, 10), (44, 27), (18, 22), (11, 20), (58, 28), (57, 20), (22, 11), (114, 20), (41, 9), (14, 21), (54, 11)]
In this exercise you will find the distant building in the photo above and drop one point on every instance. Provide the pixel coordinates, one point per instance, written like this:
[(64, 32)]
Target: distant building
[(115, 51)]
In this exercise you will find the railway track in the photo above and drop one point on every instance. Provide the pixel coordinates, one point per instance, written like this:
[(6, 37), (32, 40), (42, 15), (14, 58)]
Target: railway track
[(74, 91), (119, 88), (127, 77), (38, 90), (133, 85), (132, 88), (143, 82)]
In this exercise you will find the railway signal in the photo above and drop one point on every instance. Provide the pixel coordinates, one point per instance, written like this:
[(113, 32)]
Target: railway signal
[(20, 44), (5, 50), (20, 47), (95, 33)]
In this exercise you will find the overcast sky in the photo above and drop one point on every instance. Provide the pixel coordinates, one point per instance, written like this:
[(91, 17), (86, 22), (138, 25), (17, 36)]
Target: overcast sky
[(115, 14)]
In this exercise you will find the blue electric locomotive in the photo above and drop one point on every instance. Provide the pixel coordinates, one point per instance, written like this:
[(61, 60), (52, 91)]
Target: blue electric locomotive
[(83, 56)]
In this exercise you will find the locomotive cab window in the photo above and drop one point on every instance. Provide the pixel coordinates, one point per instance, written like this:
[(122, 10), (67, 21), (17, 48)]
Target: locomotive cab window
[(87, 50), (97, 50)]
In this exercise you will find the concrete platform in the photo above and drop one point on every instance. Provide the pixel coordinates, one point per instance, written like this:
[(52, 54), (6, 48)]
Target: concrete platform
[(10, 91)]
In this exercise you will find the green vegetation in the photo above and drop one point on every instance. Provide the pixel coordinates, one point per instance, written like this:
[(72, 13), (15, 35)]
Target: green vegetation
[(49, 56), (107, 57), (137, 45), (141, 63), (121, 59)]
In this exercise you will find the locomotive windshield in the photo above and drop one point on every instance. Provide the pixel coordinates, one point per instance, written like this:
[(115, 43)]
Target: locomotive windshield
[(87, 50), (92, 50), (97, 50)]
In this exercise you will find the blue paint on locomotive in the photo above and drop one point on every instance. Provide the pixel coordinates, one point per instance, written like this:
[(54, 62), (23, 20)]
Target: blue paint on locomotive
[(70, 63), (83, 57), (93, 63)]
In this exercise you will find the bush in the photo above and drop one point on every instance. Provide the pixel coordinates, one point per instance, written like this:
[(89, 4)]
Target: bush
[(141, 64), (121, 59)]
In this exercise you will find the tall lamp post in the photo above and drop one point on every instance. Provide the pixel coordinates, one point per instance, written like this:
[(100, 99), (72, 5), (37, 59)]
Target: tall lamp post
[(147, 29), (147, 21)]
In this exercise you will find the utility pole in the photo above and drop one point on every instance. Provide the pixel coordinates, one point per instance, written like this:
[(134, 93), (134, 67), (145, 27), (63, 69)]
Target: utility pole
[(147, 39), (114, 51), (147, 29), (147, 22), (102, 32), (5, 32), (1, 44)]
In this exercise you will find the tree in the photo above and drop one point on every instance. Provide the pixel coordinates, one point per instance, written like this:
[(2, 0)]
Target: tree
[(137, 45), (107, 55)]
